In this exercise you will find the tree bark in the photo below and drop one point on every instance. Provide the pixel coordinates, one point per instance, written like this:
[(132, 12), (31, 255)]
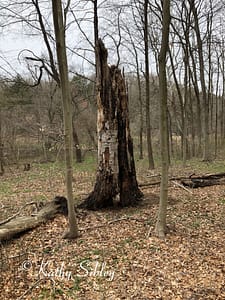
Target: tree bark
[(116, 182), (161, 220), (67, 113)]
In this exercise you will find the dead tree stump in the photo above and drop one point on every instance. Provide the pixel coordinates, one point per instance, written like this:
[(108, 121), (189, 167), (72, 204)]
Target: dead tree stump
[(116, 181)]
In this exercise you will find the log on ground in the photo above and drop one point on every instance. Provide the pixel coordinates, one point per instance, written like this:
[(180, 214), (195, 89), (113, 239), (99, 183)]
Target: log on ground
[(205, 180), (23, 224)]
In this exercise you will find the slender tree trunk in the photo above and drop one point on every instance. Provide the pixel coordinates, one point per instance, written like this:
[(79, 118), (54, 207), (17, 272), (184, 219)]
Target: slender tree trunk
[(147, 89), (206, 153), (67, 113), (194, 80), (116, 182), (161, 220), (141, 115), (185, 129), (141, 129), (216, 107), (222, 131), (182, 110), (1, 148), (192, 122)]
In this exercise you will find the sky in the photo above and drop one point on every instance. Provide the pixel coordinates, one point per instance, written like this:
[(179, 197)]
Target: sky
[(11, 46), (15, 38)]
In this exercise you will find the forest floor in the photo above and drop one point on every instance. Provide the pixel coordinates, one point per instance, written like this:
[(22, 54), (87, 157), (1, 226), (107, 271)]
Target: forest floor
[(121, 259)]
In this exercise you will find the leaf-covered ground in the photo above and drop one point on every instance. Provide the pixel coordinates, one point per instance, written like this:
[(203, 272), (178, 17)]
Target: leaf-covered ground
[(117, 255)]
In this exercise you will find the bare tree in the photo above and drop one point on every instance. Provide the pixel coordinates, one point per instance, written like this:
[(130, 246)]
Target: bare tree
[(161, 220), (67, 113), (147, 90), (206, 153)]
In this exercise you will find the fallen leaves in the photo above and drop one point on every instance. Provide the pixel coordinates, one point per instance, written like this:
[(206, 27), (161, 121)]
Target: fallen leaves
[(189, 264)]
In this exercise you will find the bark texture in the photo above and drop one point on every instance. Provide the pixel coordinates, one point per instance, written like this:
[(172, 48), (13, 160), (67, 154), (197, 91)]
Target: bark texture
[(116, 176)]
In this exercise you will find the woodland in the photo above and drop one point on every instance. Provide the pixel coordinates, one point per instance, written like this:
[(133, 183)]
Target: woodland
[(112, 145)]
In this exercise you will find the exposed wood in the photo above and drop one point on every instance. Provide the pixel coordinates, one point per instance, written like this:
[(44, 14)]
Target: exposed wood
[(116, 182), (24, 223)]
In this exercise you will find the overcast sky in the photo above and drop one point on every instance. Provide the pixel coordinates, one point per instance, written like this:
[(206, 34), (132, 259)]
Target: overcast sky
[(15, 38), (11, 45)]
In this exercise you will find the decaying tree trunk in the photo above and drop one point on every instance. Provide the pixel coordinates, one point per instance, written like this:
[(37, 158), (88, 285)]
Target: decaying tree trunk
[(116, 176), (14, 226)]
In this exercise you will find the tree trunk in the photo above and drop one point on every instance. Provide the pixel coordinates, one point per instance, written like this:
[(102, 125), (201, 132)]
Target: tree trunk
[(194, 81), (1, 149), (147, 89), (67, 113), (141, 113), (161, 220), (206, 152), (116, 176), (216, 106), (76, 145)]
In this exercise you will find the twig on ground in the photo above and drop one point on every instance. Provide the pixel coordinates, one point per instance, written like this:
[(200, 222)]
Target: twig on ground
[(181, 186), (149, 232), (16, 214), (30, 288)]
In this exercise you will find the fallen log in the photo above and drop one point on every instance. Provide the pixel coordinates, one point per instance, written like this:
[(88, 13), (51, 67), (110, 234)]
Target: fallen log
[(193, 181), (205, 180), (14, 227), (146, 184)]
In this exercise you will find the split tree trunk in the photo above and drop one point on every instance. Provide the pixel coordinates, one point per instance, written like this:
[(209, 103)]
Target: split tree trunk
[(116, 176)]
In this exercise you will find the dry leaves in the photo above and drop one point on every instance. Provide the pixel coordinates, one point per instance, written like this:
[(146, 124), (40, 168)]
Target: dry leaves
[(118, 260)]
